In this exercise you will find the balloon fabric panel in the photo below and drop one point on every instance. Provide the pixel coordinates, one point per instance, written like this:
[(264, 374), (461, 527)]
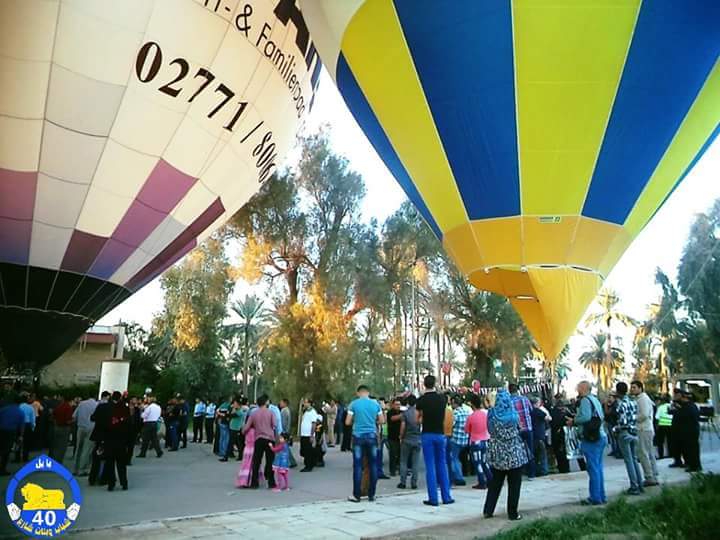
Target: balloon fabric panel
[(471, 96), (657, 89)]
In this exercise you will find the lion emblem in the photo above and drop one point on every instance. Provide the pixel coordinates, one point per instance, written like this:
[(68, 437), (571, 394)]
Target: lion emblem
[(37, 498)]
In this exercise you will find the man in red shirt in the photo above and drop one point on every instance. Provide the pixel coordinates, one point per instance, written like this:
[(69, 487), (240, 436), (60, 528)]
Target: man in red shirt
[(63, 419), (263, 421)]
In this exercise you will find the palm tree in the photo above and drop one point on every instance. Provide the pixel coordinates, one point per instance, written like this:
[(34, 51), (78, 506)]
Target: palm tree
[(608, 301), (596, 360), (556, 368), (438, 307), (661, 328), (252, 314)]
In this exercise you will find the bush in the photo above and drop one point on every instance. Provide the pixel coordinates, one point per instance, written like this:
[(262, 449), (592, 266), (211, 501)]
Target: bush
[(688, 512)]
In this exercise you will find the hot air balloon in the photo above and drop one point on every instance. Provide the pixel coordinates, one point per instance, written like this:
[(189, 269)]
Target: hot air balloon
[(537, 138), (129, 132)]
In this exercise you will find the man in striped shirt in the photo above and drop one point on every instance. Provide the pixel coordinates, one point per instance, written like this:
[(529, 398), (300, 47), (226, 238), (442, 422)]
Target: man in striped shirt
[(457, 442), (524, 410), (627, 431)]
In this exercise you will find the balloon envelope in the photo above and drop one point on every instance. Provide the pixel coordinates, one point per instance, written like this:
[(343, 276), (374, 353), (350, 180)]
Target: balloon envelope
[(536, 138), (129, 132)]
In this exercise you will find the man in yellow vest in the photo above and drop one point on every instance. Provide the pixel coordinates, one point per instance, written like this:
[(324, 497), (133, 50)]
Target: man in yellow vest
[(664, 425)]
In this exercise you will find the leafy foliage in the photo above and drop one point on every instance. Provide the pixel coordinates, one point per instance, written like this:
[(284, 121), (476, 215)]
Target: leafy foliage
[(678, 512), (681, 333), (603, 361), (186, 335)]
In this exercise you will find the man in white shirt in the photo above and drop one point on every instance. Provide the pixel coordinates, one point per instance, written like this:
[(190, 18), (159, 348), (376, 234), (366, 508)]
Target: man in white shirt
[(150, 416), (307, 435), (198, 420), (646, 433), (85, 426), (210, 410)]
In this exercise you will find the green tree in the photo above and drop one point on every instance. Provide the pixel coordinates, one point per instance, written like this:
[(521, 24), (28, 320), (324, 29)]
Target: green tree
[(699, 278), (303, 230), (491, 330), (672, 339), (609, 313), (602, 365), (304, 225), (253, 315), (407, 248), (139, 350), (189, 328)]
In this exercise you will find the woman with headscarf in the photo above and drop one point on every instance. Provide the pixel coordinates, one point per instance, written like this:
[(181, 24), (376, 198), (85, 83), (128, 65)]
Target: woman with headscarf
[(506, 455)]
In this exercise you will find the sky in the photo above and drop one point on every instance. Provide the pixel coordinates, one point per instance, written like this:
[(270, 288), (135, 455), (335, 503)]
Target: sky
[(660, 244)]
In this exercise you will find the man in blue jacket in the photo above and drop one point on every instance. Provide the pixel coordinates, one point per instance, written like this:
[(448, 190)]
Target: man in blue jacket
[(592, 442)]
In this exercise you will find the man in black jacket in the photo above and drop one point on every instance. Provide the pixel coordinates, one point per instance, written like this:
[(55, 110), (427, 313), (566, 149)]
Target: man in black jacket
[(101, 417), (675, 445), (688, 419), (116, 430), (559, 415)]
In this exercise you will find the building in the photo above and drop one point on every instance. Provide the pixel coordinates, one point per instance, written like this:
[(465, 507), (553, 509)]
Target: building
[(82, 363)]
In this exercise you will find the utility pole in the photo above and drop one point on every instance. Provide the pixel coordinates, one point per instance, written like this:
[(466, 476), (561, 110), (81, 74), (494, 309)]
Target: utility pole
[(413, 327)]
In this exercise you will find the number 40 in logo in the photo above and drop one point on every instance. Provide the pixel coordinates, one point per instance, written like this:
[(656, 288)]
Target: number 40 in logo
[(45, 511), (44, 518)]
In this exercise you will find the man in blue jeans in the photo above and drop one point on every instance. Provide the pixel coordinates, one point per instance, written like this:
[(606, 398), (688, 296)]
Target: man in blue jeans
[(457, 442), (592, 450), (364, 415), (627, 434), (431, 414)]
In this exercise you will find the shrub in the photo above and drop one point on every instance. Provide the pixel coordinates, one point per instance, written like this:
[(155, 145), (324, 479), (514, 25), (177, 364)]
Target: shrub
[(688, 512)]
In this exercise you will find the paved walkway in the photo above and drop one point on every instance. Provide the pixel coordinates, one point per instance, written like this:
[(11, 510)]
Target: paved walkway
[(390, 516)]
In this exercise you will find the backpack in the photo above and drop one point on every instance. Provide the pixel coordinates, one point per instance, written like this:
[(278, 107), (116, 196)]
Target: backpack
[(591, 428)]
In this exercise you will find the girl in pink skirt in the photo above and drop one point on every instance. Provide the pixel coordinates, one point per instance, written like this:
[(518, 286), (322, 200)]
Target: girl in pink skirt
[(244, 472)]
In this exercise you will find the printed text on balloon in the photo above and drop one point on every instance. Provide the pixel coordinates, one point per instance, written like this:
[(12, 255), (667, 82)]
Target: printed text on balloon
[(153, 50)]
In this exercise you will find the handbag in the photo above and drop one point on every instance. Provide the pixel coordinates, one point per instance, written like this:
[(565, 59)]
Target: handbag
[(572, 444), (591, 428), (160, 429)]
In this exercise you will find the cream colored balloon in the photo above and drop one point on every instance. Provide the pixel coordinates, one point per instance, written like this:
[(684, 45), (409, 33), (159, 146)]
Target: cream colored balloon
[(133, 129)]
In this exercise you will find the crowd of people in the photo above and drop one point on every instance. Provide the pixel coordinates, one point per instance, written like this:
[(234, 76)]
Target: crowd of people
[(102, 434), (510, 436), (500, 436)]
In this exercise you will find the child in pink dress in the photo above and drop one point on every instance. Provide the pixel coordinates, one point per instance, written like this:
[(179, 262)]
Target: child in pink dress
[(281, 464), (244, 472)]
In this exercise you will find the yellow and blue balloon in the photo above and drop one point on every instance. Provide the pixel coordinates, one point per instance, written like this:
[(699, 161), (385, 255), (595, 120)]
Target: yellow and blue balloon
[(537, 138)]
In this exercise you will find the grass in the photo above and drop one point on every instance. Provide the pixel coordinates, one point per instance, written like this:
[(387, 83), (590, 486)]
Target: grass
[(690, 512)]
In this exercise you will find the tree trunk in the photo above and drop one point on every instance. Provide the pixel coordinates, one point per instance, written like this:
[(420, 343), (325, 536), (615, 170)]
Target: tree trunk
[(414, 337), (246, 362), (608, 354), (438, 337), (663, 369), (291, 276)]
